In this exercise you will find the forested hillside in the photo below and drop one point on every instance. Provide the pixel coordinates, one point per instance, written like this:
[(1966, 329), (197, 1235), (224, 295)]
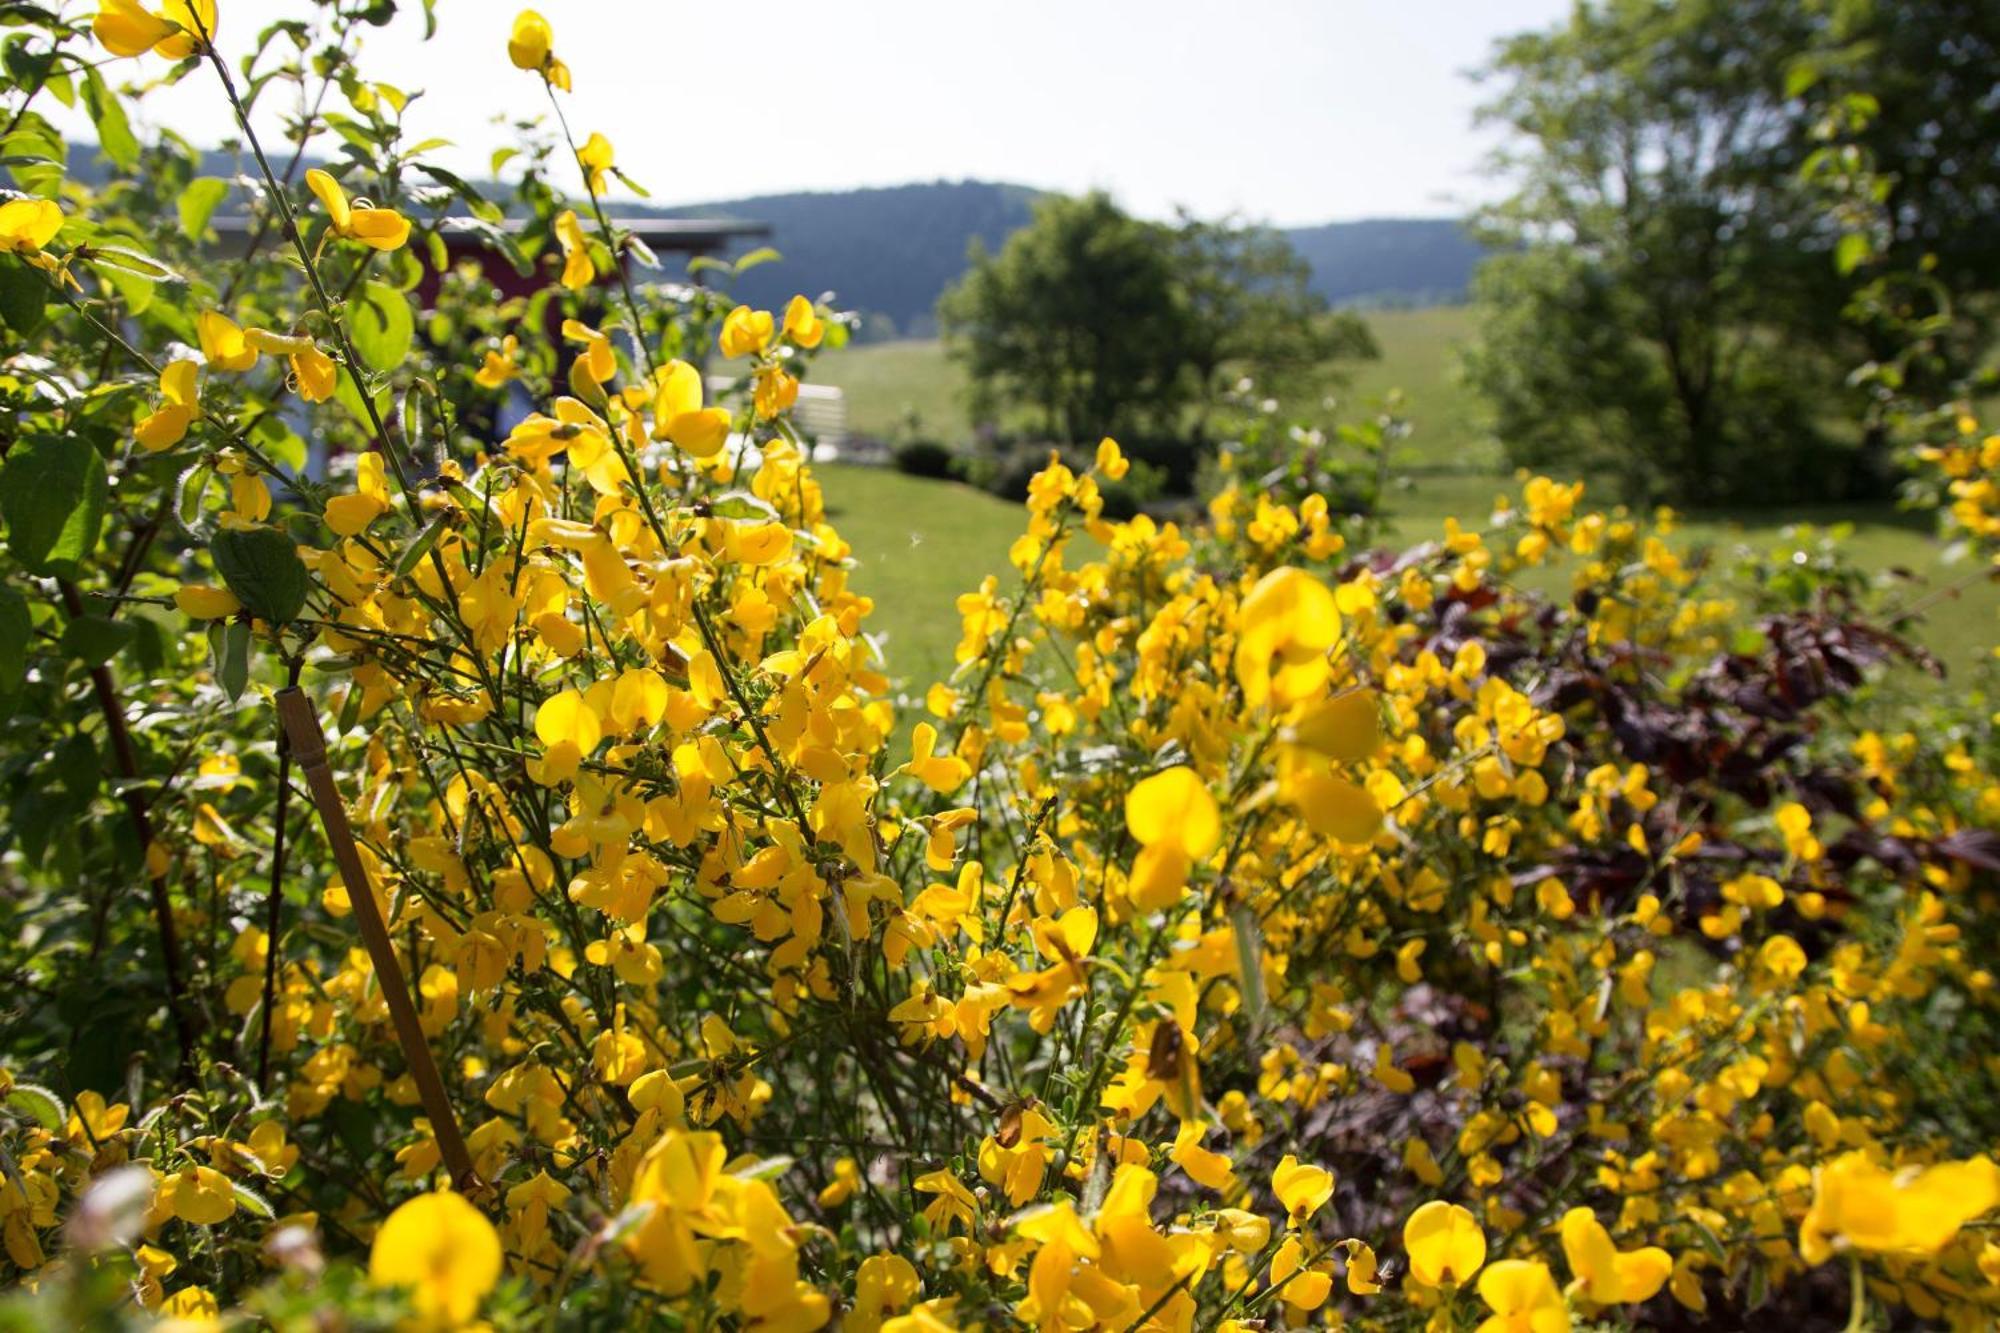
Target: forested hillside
[(891, 252), (888, 252), (1389, 261)]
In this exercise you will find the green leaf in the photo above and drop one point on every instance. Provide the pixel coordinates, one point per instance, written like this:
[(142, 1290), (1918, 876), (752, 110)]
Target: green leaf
[(350, 712), (1758, 1287), (262, 567), (250, 1201), (632, 185), (1851, 252), (229, 656), (763, 254), (114, 132), (1249, 961), (17, 628), (188, 494), (24, 298), (763, 1168), (95, 640), (352, 131), (27, 67), (120, 256), (52, 494), (137, 291), (347, 392), (280, 443), (76, 767), (742, 504), (1709, 1240), (496, 236), (156, 637), (481, 206), (417, 441), (421, 547), (39, 1105), (382, 325), (35, 154), (198, 202), (624, 1224)]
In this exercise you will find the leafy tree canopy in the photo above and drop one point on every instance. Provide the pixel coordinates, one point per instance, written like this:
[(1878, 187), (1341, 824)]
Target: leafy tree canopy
[(1099, 323), (1669, 307)]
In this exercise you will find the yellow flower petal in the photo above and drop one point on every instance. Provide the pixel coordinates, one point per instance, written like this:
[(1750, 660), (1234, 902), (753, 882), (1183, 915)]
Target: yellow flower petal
[(529, 43), (1444, 1243), (443, 1250), (1174, 807)]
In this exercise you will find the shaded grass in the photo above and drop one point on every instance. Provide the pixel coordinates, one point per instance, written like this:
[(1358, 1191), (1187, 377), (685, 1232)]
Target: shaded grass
[(1906, 563)]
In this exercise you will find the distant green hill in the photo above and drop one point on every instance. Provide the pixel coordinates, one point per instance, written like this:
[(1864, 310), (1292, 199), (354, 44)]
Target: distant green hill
[(888, 252), (891, 252), (1390, 261)]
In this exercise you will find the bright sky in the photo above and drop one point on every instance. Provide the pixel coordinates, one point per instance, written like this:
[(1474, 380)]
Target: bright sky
[(1290, 111)]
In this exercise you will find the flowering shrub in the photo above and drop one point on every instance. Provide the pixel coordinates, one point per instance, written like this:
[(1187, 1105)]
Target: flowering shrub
[(1254, 931)]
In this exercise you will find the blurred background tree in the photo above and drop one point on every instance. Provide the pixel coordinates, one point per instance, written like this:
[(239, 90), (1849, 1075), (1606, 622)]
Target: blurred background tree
[(1249, 312), (1076, 319), (1092, 323), (1903, 96), (1667, 309)]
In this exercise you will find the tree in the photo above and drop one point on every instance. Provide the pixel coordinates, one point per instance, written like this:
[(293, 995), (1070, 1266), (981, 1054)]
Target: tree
[(1672, 306), (1250, 310), (1660, 264), (1076, 318), (1905, 100), (1103, 324)]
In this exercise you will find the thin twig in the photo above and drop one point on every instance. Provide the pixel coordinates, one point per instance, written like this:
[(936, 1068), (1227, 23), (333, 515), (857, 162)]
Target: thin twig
[(274, 901), (126, 756)]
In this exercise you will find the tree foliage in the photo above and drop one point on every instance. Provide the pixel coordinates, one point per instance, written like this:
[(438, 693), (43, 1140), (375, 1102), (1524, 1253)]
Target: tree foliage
[(1099, 323), (1668, 310)]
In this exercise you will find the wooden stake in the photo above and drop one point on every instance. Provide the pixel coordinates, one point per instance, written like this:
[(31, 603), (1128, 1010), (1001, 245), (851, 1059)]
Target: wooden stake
[(308, 745)]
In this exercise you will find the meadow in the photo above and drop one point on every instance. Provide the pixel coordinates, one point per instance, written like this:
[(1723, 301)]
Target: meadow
[(919, 543), (891, 384)]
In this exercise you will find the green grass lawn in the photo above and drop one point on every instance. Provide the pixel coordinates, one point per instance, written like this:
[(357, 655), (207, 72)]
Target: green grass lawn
[(917, 545), (885, 383), (920, 543), (1420, 357)]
